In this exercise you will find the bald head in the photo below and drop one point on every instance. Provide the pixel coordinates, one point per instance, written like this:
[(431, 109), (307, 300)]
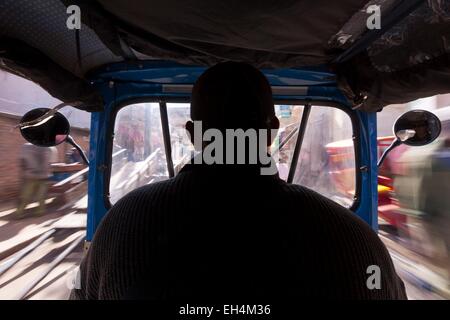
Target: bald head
[(233, 95)]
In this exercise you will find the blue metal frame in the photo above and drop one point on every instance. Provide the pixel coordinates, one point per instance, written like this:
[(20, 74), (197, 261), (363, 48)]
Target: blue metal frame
[(368, 206), (120, 83)]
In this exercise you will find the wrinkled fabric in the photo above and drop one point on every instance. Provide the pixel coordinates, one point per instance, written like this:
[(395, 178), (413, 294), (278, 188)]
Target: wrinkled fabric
[(408, 62)]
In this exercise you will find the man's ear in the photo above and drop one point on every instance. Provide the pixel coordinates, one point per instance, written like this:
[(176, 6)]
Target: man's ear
[(274, 125), (190, 130)]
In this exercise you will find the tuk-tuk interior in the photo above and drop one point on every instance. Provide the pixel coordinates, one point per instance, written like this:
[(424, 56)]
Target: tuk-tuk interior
[(133, 64)]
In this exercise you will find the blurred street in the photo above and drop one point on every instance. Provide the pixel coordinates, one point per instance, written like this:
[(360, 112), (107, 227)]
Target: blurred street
[(58, 230), (420, 281)]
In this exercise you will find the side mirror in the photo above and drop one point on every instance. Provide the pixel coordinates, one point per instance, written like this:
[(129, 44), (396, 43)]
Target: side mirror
[(45, 127), (417, 128), (414, 128)]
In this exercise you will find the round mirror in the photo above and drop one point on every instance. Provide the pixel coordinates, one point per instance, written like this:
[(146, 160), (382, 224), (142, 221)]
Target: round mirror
[(48, 131), (417, 128)]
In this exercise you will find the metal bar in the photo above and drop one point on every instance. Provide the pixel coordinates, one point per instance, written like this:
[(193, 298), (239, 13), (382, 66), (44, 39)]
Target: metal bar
[(276, 90), (394, 144), (79, 149), (128, 53), (78, 45), (389, 20), (298, 144), (72, 177), (285, 141), (166, 137), (22, 253), (50, 267)]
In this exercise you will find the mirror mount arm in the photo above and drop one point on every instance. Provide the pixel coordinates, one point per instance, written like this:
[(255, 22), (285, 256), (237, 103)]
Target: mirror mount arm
[(393, 145), (72, 142)]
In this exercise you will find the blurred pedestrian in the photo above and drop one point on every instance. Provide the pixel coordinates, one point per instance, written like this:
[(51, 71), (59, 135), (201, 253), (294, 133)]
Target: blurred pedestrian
[(423, 189), (35, 170), (436, 222)]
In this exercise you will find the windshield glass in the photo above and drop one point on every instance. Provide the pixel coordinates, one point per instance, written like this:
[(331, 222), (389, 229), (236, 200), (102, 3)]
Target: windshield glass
[(326, 161)]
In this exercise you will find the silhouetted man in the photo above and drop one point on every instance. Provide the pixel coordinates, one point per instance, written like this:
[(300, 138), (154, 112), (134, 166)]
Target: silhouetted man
[(223, 229)]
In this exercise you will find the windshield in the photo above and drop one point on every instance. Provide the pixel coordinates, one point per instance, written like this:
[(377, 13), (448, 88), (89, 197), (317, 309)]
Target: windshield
[(325, 161)]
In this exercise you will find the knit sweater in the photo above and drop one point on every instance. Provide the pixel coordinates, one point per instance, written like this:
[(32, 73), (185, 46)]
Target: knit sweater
[(220, 232)]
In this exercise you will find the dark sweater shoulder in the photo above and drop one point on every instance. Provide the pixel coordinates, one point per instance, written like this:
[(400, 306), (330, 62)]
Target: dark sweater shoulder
[(332, 222), (348, 248)]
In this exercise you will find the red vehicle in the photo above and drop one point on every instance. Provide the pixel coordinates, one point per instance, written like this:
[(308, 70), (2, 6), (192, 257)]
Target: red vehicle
[(387, 205), (342, 175)]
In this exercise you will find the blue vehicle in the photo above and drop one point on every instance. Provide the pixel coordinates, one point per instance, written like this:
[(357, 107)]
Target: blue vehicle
[(132, 64)]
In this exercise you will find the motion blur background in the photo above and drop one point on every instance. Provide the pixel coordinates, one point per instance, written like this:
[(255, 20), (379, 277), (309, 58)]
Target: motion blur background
[(414, 186)]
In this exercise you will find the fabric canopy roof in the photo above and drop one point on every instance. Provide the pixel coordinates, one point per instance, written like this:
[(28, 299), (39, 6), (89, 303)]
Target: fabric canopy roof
[(409, 61)]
